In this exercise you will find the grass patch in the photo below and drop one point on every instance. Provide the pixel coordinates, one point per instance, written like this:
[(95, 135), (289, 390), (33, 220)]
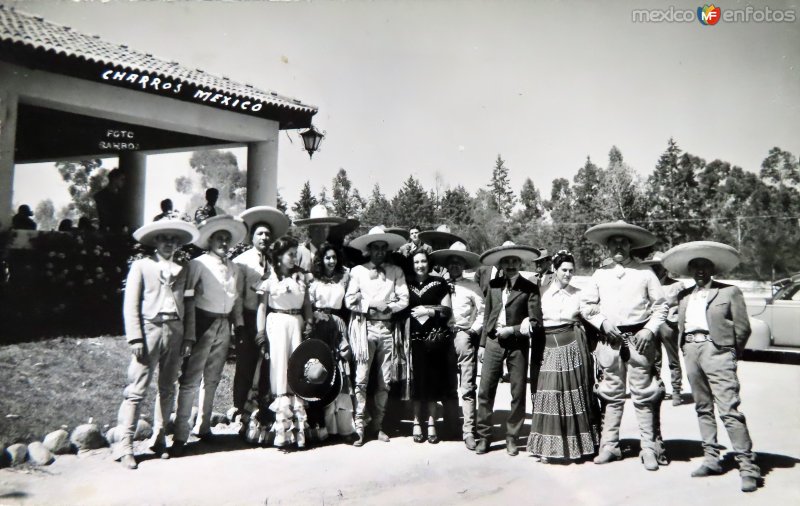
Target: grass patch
[(66, 381)]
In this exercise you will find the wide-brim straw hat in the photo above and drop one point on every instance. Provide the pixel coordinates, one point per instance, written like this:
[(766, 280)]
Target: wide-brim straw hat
[(325, 389), (677, 259), (232, 224), (377, 234), (655, 259), (185, 231), (440, 238), (278, 222), (319, 216), (509, 249), (639, 237), (458, 249)]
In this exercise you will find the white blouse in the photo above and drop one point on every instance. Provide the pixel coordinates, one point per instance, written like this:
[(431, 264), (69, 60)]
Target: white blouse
[(560, 305), (327, 295), (287, 293)]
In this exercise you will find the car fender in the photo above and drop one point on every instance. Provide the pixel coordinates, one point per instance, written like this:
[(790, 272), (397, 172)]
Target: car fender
[(760, 335)]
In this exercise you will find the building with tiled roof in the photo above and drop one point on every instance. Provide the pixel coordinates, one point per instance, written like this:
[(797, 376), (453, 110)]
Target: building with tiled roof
[(70, 95)]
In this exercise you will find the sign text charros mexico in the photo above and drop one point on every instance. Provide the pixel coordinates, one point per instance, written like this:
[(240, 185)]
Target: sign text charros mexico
[(148, 82)]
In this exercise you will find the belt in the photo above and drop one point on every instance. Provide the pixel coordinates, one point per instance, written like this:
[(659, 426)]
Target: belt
[(209, 314), (294, 312), (379, 319), (165, 317), (326, 310), (696, 337), (558, 329)]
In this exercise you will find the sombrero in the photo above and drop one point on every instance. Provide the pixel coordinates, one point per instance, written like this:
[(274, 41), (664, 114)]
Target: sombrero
[(458, 249), (655, 259), (544, 255), (227, 222), (278, 222), (312, 373), (399, 231), (639, 237), (319, 216), (440, 238), (185, 231), (340, 231), (723, 256), (376, 234), (509, 249)]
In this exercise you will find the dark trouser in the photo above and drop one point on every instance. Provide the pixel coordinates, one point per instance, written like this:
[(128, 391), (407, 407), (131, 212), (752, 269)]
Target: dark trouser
[(712, 374), (515, 355), (247, 355), (668, 336)]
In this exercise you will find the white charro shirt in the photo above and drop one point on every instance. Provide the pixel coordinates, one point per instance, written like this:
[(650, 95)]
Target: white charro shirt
[(467, 301), (625, 294), (217, 283), (560, 305), (370, 284), (696, 311)]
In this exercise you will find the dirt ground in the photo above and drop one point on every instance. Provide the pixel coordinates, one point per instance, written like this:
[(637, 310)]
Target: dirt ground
[(402, 472)]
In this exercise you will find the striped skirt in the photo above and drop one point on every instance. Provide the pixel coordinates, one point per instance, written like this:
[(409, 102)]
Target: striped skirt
[(563, 425)]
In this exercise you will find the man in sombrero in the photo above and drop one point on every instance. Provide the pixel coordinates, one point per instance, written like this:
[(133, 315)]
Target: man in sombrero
[(154, 313), (319, 225), (377, 290), (668, 331), (626, 303), (714, 328), (264, 224), (512, 312), (467, 302), (217, 284)]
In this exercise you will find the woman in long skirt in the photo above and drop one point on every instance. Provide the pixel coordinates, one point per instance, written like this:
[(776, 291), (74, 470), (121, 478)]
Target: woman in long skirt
[(285, 302), (564, 426)]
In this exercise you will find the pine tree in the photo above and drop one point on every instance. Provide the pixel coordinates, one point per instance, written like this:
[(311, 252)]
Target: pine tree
[(531, 201), (500, 188), (307, 200), (412, 205), (347, 201), (378, 210), (455, 206)]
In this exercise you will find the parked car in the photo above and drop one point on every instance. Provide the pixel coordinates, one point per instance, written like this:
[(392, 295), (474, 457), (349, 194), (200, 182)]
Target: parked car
[(776, 320)]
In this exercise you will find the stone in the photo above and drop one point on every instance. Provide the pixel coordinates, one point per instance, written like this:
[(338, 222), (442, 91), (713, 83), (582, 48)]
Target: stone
[(87, 437), (17, 453), (39, 455), (114, 435), (143, 430), (58, 442)]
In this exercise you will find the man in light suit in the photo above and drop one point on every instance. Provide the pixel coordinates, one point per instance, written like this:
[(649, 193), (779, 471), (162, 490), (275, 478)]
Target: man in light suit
[(714, 328), (512, 310), (154, 312)]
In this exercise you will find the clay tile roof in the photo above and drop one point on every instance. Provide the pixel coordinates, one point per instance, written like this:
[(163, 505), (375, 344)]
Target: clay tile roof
[(38, 34)]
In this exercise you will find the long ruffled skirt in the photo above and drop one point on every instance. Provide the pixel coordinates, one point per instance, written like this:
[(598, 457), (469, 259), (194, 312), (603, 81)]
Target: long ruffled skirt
[(563, 424)]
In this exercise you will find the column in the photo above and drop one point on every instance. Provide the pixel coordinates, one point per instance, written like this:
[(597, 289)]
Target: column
[(8, 134), (262, 171), (134, 165)]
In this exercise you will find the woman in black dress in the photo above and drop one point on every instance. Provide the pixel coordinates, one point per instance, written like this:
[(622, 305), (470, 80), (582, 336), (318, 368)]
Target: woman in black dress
[(430, 308)]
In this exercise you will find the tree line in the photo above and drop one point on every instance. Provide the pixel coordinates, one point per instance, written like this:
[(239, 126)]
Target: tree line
[(683, 199)]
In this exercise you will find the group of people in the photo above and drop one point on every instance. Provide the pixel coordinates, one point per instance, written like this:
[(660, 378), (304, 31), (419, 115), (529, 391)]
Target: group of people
[(324, 332)]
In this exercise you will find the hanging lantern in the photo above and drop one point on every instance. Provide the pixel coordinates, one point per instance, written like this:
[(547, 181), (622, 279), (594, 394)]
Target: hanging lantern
[(311, 139)]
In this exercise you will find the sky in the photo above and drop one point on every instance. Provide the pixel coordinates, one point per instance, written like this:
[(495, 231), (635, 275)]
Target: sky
[(438, 89)]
